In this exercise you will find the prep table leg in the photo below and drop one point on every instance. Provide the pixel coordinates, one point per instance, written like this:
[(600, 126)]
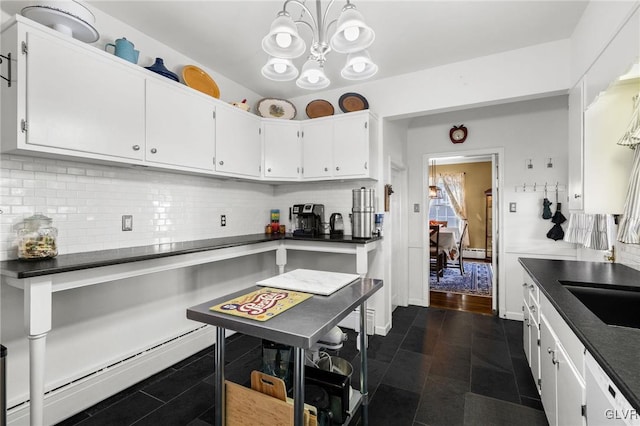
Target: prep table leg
[(298, 387), (363, 364), (37, 309), (219, 378)]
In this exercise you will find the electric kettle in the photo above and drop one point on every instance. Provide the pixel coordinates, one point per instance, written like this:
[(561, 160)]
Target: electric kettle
[(337, 224)]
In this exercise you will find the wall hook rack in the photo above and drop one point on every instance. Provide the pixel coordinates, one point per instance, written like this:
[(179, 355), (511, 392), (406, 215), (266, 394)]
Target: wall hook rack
[(8, 77), (535, 187)]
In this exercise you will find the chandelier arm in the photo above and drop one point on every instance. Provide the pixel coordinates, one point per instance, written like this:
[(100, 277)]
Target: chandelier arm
[(306, 9), (326, 13)]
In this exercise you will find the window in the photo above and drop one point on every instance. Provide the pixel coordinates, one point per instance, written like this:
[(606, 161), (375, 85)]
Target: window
[(440, 208)]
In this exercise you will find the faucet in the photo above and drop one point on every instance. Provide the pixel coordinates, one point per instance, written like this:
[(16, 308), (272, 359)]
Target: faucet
[(610, 256)]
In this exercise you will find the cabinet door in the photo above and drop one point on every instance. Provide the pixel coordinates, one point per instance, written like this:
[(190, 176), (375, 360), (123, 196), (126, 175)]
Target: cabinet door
[(526, 330), (548, 360), (535, 352), (571, 391), (180, 127), (576, 135), (238, 143), (282, 152), (317, 149), (351, 146), (80, 101)]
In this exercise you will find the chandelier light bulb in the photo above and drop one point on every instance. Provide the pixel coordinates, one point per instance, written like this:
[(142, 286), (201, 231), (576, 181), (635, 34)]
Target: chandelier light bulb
[(283, 40), (359, 66), (279, 67), (352, 33), (313, 78)]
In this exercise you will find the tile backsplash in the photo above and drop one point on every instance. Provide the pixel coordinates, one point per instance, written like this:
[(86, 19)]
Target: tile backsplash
[(87, 202)]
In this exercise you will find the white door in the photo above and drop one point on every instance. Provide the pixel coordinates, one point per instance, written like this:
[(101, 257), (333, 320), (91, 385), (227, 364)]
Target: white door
[(282, 152), (238, 142), (548, 371), (571, 391), (99, 110), (317, 150), (180, 127), (351, 146), (398, 233)]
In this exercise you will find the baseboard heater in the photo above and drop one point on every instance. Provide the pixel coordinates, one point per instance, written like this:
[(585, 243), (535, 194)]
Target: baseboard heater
[(474, 253), (75, 395)]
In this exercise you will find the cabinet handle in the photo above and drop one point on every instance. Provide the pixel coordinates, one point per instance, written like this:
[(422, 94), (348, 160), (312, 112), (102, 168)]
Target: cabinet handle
[(577, 195), (524, 284), (533, 308), (153, 150), (298, 170), (338, 169), (365, 165), (554, 361), (526, 321), (136, 147), (531, 287), (326, 169), (221, 163), (269, 169)]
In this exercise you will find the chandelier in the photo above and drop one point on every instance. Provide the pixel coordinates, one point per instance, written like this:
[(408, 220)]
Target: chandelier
[(283, 43), (435, 192)]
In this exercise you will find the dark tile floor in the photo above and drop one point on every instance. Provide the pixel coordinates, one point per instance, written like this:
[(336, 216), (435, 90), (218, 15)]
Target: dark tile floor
[(435, 367)]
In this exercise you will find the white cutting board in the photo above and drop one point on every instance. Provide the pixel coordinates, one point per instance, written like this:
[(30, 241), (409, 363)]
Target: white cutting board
[(310, 281)]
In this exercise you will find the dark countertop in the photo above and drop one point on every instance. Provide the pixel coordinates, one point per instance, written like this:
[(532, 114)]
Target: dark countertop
[(617, 349), (78, 261)]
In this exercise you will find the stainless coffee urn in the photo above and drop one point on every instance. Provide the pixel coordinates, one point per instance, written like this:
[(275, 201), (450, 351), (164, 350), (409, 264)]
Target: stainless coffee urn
[(362, 212)]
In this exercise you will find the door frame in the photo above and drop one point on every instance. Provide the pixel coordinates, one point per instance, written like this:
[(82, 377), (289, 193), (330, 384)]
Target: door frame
[(497, 173), (400, 259)]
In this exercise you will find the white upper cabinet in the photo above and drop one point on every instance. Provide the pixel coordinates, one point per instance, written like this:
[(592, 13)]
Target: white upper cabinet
[(576, 161), (351, 145), (70, 99), (317, 149), (75, 100), (282, 149), (238, 142), (180, 127)]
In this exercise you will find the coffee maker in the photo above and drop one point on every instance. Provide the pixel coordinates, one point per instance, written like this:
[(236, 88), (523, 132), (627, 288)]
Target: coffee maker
[(308, 219)]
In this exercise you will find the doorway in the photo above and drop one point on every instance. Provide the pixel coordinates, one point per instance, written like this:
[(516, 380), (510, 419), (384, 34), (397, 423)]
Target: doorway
[(467, 278), (399, 246)]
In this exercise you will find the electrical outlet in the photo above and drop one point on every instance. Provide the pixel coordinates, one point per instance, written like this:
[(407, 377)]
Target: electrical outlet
[(127, 222), (223, 220)]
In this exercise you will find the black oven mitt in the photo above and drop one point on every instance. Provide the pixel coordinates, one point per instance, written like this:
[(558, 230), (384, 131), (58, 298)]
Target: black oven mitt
[(546, 211)]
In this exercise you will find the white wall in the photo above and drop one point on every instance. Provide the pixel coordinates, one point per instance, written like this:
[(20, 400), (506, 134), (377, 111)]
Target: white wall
[(536, 130)]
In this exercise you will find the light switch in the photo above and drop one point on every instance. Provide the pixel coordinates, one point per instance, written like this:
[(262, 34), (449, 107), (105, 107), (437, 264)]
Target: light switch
[(416, 208), (512, 207), (127, 222)]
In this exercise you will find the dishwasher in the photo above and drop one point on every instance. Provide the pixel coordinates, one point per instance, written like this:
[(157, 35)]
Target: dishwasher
[(606, 406)]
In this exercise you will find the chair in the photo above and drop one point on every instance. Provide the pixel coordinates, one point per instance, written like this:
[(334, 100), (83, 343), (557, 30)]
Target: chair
[(437, 256), (459, 263), (439, 222)]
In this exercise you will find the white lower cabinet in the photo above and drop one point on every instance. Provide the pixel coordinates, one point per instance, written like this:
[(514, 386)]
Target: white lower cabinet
[(556, 358), (182, 135), (562, 387)]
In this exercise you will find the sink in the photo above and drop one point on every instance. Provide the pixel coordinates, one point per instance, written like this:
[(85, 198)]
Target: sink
[(614, 306)]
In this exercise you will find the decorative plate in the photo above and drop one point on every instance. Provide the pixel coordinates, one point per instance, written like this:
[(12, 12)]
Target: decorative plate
[(350, 102), (276, 108), (319, 108), (197, 79)]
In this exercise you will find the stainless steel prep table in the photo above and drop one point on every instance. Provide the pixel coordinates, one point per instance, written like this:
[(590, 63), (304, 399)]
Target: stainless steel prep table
[(300, 327)]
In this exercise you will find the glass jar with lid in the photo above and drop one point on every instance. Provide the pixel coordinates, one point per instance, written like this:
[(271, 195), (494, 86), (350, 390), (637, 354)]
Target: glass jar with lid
[(37, 238)]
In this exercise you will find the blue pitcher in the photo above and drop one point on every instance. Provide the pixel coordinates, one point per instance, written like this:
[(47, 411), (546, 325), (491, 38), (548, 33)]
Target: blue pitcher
[(124, 49)]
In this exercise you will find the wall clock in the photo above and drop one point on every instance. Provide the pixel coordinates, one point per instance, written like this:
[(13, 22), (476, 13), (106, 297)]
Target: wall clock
[(458, 134)]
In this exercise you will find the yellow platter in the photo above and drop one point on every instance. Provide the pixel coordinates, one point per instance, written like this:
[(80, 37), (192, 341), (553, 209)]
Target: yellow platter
[(197, 79)]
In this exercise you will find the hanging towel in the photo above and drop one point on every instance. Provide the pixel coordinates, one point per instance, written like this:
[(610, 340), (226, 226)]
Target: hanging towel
[(546, 211)]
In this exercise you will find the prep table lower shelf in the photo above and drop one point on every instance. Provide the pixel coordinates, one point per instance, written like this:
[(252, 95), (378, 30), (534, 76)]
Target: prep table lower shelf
[(301, 327)]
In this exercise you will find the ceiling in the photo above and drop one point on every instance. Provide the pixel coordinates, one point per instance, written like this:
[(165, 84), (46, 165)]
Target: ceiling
[(410, 35)]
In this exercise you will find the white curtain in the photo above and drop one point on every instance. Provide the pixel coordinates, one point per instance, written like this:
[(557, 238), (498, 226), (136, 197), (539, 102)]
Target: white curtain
[(454, 185), (593, 231), (629, 226)]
